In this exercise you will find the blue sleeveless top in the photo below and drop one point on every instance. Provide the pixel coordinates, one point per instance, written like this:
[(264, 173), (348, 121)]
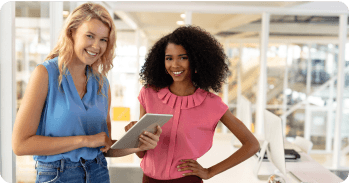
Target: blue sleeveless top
[(65, 114)]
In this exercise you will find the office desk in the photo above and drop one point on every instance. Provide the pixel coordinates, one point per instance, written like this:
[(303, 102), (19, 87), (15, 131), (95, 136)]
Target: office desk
[(243, 173), (310, 168)]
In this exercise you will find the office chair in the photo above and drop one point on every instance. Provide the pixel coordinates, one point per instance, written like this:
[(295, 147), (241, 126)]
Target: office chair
[(304, 144)]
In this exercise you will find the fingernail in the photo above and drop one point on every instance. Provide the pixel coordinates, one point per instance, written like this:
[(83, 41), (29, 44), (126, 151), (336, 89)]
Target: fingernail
[(178, 166), (179, 170), (145, 132)]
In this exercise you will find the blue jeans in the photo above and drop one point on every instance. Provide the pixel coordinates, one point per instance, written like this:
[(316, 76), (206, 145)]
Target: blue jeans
[(87, 171)]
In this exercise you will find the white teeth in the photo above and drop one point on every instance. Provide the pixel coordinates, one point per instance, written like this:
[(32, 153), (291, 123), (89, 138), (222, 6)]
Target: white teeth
[(93, 54), (178, 72)]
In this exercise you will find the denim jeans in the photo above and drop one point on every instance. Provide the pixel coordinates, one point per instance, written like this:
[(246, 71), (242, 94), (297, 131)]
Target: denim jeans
[(84, 171)]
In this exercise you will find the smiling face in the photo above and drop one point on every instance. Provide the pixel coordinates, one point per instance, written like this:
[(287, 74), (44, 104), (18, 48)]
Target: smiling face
[(90, 41), (177, 63)]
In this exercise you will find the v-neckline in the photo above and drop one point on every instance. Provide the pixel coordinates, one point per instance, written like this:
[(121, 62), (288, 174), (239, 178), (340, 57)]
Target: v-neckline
[(75, 91)]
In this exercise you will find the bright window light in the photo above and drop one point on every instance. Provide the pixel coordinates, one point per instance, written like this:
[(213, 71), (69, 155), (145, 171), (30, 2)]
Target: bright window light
[(142, 51), (282, 51), (295, 94), (346, 103), (288, 91), (183, 15), (296, 52), (180, 22), (316, 101), (330, 46), (289, 58)]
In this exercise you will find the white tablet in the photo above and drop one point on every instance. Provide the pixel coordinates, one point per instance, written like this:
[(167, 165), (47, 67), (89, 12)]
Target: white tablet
[(147, 123)]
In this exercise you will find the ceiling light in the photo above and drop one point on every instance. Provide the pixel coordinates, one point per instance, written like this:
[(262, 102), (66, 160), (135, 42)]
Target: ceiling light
[(183, 15), (65, 13), (180, 22)]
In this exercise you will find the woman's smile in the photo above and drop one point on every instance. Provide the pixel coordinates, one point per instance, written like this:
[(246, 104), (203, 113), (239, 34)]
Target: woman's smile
[(91, 53), (177, 73)]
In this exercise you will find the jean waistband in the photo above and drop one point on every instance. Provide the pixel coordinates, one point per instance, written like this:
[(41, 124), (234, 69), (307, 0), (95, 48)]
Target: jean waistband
[(65, 163)]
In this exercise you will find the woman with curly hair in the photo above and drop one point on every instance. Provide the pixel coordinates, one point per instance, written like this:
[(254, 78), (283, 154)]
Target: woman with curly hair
[(64, 117), (179, 71)]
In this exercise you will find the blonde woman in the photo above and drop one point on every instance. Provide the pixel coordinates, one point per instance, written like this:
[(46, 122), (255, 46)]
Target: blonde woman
[(64, 117)]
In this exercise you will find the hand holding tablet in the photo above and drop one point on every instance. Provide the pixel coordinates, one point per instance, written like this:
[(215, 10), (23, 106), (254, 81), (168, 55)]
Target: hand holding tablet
[(148, 123), (149, 140)]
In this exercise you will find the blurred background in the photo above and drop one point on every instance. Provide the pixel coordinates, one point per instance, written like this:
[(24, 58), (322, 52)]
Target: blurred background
[(302, 64)]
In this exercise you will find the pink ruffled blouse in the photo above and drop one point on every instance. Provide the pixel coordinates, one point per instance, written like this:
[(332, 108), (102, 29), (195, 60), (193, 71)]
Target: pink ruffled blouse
[(188, 134)]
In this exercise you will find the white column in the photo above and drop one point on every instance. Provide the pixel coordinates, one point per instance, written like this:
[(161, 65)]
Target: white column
[(138, 85), (262, 84), (239, 73), (307, 123), (188, 18), (329, 118), (330, 110), (26, 61), (308, 81), (343, 25), (226, 87), (8, 90), (56, 21), (284, 103)]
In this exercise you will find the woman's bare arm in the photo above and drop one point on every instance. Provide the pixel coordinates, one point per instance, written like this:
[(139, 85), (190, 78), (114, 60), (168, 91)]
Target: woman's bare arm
[(250, 144)]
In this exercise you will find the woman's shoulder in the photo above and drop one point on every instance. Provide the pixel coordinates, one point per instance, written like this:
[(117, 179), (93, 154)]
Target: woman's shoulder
[(105, 81), (150, 89), (213, 97), (210, 94), (51, 64)]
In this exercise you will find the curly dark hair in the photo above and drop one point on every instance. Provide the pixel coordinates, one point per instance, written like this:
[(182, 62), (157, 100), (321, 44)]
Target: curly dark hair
[(205, 54)]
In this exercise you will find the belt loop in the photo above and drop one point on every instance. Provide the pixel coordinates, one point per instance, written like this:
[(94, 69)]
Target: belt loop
[(98, 159), (36, 164), (62, 165)]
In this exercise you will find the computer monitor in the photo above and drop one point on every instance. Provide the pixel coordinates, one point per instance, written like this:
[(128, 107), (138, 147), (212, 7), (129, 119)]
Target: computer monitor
[(246, 113), (273, 144)]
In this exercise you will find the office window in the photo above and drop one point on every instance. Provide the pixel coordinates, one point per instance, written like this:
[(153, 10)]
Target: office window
[(276, 65), (32, 46)]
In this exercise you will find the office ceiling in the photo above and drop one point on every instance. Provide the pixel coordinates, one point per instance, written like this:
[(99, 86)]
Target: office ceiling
[(156, 19), (159, 18)]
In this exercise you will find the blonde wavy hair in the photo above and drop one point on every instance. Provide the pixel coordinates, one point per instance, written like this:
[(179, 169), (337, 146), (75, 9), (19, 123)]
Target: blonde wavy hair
[(64, 48)]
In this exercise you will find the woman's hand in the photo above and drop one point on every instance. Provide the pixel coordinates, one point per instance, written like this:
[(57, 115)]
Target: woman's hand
[(195, 167), (130, 125), (100, 139), (149, 140)]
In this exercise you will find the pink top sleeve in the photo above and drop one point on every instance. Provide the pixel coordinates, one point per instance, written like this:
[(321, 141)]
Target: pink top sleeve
[(142, 98)]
